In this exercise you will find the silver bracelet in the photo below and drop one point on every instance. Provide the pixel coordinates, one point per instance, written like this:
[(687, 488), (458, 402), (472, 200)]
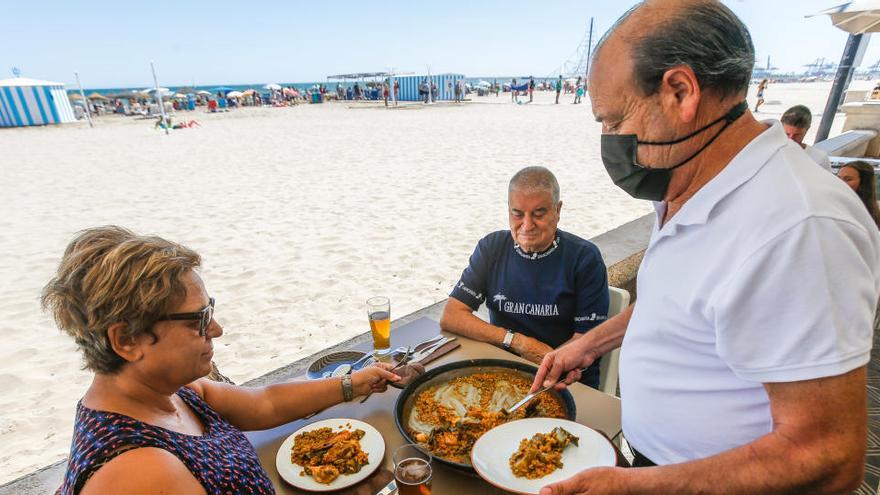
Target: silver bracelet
[(347, 390)]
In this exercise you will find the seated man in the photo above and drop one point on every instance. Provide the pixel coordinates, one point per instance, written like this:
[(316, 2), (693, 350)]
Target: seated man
[(542, 286), (796, 122)]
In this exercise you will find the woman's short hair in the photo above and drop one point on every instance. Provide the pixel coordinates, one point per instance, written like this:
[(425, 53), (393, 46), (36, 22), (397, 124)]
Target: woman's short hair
[(866, 190), (110, 275)]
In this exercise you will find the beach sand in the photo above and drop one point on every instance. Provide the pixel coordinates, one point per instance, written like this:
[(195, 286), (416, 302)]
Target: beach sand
[(300, 214)]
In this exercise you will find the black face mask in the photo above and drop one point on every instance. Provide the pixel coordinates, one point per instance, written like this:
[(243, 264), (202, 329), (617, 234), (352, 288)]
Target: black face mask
[(619, 152)]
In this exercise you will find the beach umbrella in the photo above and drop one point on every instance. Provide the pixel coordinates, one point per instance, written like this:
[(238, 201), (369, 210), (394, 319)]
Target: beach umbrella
[(859, 18), (248, 92), (74, 96), (204, 93), (234, 94), (856, 17), (223, 89), (97, 96), (272, 86)]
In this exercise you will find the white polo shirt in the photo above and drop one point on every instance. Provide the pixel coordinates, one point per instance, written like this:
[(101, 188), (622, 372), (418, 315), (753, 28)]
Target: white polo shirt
[(819, 157), (770, 273)]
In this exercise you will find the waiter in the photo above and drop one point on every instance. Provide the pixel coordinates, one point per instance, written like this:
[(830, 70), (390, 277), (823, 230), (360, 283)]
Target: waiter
[(742, 367)]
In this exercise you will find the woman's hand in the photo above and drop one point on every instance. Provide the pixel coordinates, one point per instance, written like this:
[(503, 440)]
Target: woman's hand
[(373, 378)]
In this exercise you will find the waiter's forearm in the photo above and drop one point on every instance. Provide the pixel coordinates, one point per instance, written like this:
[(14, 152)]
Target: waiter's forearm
[(459, 318), (771, 464)]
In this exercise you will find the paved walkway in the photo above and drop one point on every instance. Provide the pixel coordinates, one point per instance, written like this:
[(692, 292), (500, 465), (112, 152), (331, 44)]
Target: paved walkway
[(871, 483)]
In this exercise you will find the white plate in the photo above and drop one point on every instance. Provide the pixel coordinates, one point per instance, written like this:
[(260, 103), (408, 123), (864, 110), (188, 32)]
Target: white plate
[(372, 443), (492, 452)]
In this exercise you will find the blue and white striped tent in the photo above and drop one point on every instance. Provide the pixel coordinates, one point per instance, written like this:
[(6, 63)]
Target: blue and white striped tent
[(409, 86), (26, 102)]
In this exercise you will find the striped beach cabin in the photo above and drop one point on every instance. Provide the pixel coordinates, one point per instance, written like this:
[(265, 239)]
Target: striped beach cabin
[(409, 86), (25, 102)]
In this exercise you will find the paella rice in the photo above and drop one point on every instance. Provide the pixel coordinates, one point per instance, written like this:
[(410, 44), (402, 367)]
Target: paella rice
[(449, 418), (540, 455), (325, 454)]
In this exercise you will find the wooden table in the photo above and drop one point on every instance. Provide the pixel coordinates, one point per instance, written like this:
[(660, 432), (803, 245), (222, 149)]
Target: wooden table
[(594, 409)]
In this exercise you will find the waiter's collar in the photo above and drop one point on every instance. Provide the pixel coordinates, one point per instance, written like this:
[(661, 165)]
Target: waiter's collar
[(740, 170)]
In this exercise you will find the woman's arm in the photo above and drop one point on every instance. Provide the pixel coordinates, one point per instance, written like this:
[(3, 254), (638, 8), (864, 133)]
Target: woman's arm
[(260, 408), (143, 471)]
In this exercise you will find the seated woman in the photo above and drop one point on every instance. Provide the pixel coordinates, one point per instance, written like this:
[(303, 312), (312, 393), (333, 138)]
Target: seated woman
[(150, 422), (859, 175)]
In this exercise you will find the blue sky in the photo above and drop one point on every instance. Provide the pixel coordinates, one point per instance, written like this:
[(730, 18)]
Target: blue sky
[(112, 43)]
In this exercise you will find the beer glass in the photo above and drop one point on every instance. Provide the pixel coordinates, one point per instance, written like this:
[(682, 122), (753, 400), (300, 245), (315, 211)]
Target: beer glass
[(379, 312), (412, 471)]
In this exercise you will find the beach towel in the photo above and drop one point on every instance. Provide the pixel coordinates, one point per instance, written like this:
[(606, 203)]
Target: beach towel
[(520, 87)]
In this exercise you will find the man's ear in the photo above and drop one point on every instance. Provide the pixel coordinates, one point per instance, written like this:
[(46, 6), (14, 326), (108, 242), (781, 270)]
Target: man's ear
[(125, 346), (680, 92), (558, 208)]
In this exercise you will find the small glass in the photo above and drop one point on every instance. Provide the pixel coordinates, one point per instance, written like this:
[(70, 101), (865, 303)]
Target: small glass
[(379, 312), (412, 470)]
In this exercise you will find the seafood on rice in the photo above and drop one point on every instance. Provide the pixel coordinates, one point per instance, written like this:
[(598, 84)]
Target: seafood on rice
[(540, 455), (449, 418), (325, 454)]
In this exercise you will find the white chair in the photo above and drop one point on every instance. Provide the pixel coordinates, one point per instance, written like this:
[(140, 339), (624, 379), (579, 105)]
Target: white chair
[(608, 367)]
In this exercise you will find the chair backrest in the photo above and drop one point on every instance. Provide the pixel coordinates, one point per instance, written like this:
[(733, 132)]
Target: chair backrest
[(608, 367)]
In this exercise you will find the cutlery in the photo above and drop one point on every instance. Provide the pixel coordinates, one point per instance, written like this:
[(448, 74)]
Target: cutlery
[(388, 489), (525, 400), (419, 356), (403, 360)]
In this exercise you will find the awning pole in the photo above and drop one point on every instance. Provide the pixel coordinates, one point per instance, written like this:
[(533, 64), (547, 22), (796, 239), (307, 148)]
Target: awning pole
[(85, 101), (165, 122), (841, 81)]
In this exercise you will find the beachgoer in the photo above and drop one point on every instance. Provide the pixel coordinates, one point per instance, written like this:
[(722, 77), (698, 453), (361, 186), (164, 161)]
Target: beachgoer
[(457, 92), (796, 122), (423, 90), (513, 93), (579, 92), (496, 87), (542, 286), (149, 422), (558, 88), (761, 87), (743, 367), (859, 176), (531, 88)]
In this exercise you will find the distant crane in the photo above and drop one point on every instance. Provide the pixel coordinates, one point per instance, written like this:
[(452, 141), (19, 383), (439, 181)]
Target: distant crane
[(578, 63)]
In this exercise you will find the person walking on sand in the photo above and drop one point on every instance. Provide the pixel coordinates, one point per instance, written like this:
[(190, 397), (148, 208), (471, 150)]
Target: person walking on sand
[(531, 87), (579, 91), (761, 87), (558, 88)]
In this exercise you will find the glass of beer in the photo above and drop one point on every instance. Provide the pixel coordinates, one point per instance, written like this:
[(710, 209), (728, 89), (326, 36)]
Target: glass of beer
[(379, 312), (412, 471)]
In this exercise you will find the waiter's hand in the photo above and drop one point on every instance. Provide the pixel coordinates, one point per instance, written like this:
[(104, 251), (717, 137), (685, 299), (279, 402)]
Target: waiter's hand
[(565, 362), (596, 481), (532, 349)]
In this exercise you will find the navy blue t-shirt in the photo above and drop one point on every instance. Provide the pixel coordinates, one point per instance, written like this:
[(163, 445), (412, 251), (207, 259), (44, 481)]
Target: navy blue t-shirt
[(548, 296)]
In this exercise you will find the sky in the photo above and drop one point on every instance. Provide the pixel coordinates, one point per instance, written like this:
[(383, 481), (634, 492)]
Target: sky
[(197, 42)]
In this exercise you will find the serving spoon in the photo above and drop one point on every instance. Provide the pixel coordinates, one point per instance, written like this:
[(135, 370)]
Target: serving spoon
[(528, 398)]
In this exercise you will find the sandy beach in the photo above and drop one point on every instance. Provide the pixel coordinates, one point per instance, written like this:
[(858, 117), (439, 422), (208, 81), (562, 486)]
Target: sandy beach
[(300, 215)]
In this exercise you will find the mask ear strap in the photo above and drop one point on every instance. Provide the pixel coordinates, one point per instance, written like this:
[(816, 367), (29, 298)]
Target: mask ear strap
[(734, 113)]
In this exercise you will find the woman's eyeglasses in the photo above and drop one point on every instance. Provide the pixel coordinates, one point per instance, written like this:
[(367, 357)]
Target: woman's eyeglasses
[(204, 316)]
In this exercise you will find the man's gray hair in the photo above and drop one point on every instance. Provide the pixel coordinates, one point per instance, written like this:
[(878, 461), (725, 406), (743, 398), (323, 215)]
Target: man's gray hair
[(535, 179), (798, 116), (707, 36)]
